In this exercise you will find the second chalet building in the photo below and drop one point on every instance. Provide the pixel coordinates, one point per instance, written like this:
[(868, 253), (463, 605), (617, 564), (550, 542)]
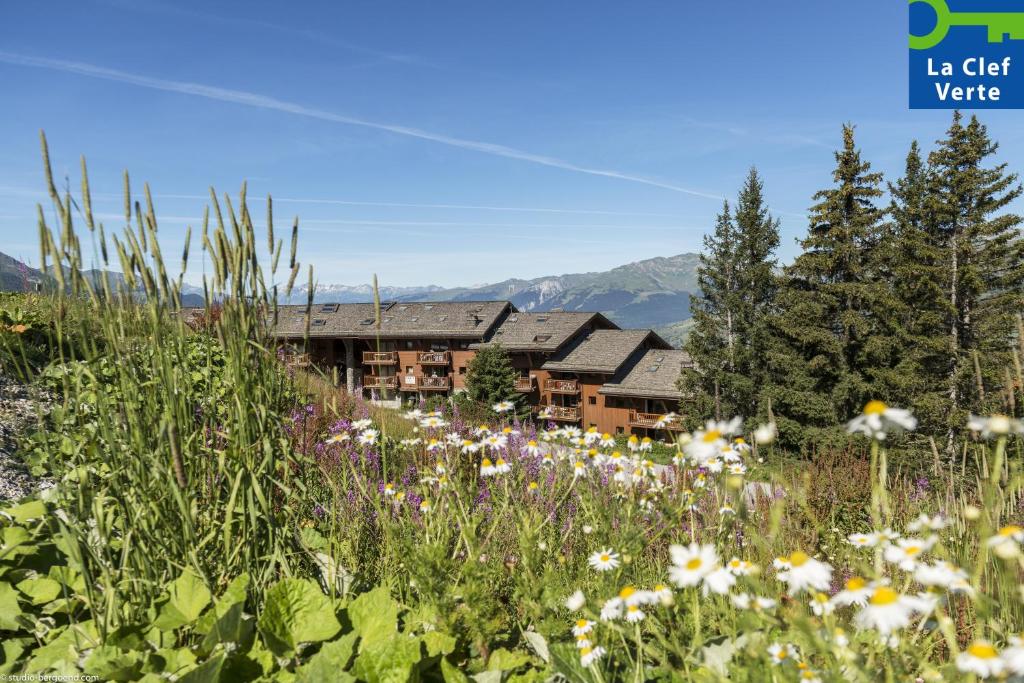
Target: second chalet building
[(574, 367)]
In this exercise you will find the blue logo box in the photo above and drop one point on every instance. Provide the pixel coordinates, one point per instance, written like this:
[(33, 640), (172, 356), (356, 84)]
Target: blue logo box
[(966, 54)]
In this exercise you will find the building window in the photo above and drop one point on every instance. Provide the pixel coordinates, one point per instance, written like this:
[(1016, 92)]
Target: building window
[(408, 344), (620, 430), (592, 400), (462, 369), (408, 370)]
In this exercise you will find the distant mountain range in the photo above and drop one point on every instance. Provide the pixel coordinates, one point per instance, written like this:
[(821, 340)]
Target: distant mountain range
[(652, 293)]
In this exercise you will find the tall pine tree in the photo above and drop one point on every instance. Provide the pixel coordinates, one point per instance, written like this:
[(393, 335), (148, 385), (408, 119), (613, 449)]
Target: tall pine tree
[(983, 260), (737, 288), (819, 358), (908, 352)]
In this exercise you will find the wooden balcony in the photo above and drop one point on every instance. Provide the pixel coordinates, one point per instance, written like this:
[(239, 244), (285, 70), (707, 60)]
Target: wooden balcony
[(433, 358), (562, 386), (416, 383), (380, 357), (375, 382), (297, 360), (524, 384), (651, 420), (561, 413)]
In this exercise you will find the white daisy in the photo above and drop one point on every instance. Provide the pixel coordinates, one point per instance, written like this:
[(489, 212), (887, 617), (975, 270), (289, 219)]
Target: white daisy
[(531, 448), (502, 406), (337, 438), (590, 655), (820, 605), (878, 420), (501, 466), (995, 425), (926, 523), (766, 433), (718, 581), (359, 425), (805, 572), (582, 627), (982, 659), (1013, 656), (604, 560), (887, 611), (691, 564), (368, 437), (575, 601), (783, 653), (857, 591), (906, 552), (487, 468)]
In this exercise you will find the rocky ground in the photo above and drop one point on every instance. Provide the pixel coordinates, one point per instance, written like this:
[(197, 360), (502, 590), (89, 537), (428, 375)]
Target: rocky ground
[(18, 410)]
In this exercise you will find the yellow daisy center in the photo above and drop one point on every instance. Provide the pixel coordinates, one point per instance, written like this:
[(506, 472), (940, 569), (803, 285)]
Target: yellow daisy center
[(912, 550), (712, 436), (582, 623), (982, 651), (533, 485), (584, 651), (605, 557), (884, 596), (626, 592), (531, 443), (486, 462), (694, 564), (875, 408), (781, 654), (855, 583), (1009, 530), (798, 559)]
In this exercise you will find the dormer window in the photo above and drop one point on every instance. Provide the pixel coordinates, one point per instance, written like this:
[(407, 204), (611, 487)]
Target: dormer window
[(542, 338), (329, 308), (319, 322)]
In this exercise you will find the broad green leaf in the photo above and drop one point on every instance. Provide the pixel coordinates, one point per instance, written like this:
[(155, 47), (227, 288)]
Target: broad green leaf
[(296, 611), (389, 661), (67, 646), (438, 643), (488, 677), (312, 539), (171, 661), (330, 663), (12, 650), (15, 541), (207, 672), (40, 591), (110, 663), (566, 661), (27, 512), (375, 616), (188, 597), (504, 660), (10, 610), (539, 645), (232, 627), (718, 654), (451, 673)]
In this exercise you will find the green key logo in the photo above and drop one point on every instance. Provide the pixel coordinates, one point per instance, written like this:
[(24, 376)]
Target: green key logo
[(999, 24)]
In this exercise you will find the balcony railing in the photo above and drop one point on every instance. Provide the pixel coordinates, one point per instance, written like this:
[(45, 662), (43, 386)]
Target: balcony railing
[(375, 382), (563, 413), (380, 357), (655, 421), (562, 386), (415, 383), (524, 384), (432, 358)]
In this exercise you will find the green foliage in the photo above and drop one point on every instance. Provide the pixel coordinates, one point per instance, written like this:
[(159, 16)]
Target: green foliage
[(491, 379), (737, 284), (820, 365)]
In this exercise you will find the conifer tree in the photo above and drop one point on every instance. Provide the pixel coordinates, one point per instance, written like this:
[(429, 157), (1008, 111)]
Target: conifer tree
[(983, 261), (490, 377), (819, 358), (737, 288), (908, 351)]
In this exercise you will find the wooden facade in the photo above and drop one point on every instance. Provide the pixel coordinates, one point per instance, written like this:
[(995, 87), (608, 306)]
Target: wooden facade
[(578, 368)]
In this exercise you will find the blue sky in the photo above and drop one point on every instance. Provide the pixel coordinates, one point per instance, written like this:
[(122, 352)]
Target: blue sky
[(456, 143)]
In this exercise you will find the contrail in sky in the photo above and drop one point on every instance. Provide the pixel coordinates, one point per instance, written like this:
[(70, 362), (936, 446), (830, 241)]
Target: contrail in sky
[(265, 102)]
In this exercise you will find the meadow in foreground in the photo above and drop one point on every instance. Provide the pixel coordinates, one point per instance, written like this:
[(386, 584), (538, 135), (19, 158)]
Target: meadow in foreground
[(209, 522)]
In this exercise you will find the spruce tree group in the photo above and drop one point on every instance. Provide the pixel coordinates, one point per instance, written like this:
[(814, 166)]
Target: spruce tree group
[(914, 302)]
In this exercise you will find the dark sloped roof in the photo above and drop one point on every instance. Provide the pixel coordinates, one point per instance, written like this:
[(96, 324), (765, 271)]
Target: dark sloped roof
[(542, 331), (603, 351), (454, 319), (654, 375)]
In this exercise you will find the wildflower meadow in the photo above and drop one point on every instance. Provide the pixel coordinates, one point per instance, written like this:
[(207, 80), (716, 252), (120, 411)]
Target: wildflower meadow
[(214, 515)]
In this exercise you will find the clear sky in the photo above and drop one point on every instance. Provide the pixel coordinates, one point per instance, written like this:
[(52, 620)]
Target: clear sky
[(456, 143)]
